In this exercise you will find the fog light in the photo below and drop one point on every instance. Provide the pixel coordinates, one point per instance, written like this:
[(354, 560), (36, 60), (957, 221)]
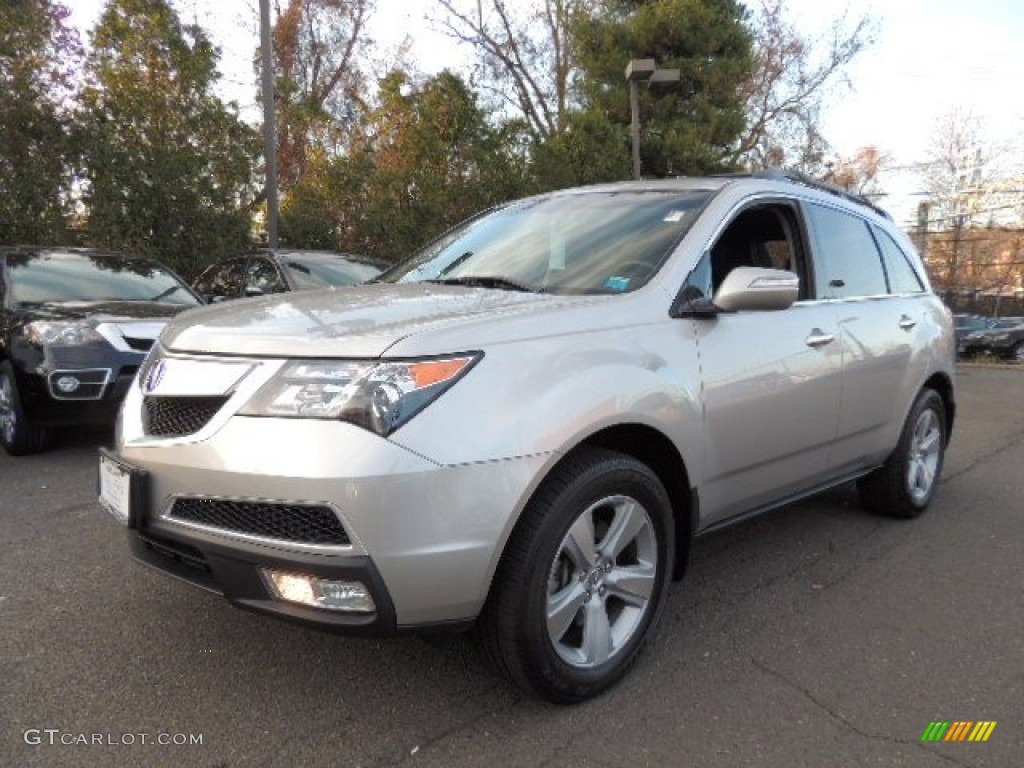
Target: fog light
[(68, 384), (319, 593)]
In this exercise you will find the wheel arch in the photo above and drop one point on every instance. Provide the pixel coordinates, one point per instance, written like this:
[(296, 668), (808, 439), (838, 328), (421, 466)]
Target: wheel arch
[(943, 384), (651, 447)]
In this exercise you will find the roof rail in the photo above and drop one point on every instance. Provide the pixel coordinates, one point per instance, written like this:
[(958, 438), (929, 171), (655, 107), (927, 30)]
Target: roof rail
[(782, 174)]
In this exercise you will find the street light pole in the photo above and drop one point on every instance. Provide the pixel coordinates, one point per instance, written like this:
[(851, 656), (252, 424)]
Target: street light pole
[(269, 126), (637, 71)]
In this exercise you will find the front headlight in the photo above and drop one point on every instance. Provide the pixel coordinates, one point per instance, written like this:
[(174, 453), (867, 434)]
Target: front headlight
[(377, 395), (61, 333)]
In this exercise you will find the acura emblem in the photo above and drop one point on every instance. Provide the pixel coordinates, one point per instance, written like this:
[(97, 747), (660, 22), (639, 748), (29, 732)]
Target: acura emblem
[(154, 376)]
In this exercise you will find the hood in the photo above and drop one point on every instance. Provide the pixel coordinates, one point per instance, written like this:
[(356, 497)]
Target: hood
[(96, 312), (362, 321)]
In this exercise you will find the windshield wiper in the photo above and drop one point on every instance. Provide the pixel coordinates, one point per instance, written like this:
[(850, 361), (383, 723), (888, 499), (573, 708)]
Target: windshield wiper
[(166, 293), (489, 281)]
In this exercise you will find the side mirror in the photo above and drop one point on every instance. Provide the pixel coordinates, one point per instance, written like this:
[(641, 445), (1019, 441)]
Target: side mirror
[(252, 290), (754, 288)]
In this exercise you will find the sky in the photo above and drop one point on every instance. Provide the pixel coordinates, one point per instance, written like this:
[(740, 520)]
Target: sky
[(929, 58)]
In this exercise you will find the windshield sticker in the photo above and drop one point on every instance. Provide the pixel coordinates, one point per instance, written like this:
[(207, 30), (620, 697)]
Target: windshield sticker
[(618, 284), (675, 216)]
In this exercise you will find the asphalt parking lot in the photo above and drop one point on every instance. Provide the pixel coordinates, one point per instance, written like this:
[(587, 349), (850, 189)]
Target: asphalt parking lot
[(817, 636)]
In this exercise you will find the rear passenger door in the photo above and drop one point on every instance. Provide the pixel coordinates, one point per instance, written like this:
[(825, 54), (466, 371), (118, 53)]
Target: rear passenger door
[(877, 322)]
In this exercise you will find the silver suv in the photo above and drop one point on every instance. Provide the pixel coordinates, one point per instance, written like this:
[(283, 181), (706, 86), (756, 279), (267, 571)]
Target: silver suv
[(524, 426)]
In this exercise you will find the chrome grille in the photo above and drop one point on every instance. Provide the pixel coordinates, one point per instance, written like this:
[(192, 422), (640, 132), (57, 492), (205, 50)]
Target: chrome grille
[(179, 416), (298, 523)]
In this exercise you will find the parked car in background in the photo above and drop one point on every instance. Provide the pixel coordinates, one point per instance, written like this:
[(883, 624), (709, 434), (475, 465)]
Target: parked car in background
[(75, 326), (278, 271), (524, 426), (1003, 338), (964, 324)]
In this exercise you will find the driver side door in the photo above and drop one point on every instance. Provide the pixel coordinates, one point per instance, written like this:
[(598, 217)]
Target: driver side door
[(770, 379)]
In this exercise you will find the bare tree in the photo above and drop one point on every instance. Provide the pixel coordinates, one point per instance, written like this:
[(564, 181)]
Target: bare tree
[(859, 173), (794, 76), (958, 173), (525, 54), (972, 196), (317, 46)]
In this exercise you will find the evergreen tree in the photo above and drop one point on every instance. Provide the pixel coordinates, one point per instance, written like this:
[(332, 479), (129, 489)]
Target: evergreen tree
[(169, 166), (689, 127), (39, 52)]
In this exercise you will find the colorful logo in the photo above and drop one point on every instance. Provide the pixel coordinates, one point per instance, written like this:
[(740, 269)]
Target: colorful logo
[(958, 730)]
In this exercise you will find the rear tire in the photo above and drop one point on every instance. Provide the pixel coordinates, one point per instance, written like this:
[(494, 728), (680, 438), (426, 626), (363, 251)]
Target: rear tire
[(18, 436), (905, 485), (583, 579)]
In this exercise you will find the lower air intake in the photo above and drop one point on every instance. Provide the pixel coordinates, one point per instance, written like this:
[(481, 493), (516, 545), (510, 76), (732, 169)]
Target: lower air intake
[(297, 523)]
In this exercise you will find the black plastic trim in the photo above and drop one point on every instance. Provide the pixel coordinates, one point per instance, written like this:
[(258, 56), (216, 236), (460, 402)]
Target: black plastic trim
[(236, 574)]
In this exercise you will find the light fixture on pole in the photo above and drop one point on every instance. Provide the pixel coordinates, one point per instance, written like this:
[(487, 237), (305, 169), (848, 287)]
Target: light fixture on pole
[(637, 71)]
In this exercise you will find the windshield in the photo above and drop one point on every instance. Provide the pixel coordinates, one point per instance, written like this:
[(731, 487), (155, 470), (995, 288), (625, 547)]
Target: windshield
[(321, 271), (66, 277), (594, 242)]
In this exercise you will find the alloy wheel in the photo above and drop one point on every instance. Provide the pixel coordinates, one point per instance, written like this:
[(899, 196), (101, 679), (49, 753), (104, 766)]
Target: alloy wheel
[(8, 414), (925, 452), (601, 582)]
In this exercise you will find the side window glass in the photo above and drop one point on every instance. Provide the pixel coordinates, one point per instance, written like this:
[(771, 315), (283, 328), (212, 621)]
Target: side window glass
[(221, 280), (847, 262), (763, 236), (262, 277), (698, 282), (205, 280), (902, 277)]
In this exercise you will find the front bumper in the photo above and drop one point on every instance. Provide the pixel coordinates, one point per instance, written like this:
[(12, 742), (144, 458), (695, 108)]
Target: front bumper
[(105, 373), (424, 538), (236, 573)]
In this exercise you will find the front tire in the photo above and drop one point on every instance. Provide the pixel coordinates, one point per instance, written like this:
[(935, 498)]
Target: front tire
[(905, 485), (584, 578), (18, 435)]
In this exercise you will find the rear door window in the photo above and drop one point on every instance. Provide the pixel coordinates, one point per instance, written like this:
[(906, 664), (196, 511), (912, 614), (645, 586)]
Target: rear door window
[(262, 277), (902, 277), (222, 280), (847, 261)]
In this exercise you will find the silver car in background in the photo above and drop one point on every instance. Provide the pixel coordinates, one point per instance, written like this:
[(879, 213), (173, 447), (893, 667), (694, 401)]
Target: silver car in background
[(524, 426)]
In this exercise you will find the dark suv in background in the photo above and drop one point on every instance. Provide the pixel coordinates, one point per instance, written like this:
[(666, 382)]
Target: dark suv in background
[(999, 337), (74, 327)]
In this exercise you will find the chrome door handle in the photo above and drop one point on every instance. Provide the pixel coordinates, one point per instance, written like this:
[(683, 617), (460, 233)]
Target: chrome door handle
[(819, 338), (907, 323)]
